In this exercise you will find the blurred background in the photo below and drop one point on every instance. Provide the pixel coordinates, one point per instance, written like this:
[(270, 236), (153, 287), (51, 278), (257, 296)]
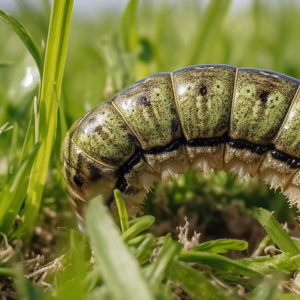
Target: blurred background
[(162, 36), (115, 43), (94, 8)]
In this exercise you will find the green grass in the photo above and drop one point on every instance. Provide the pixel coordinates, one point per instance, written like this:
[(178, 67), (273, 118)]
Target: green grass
[(86, 61), (51, 70)]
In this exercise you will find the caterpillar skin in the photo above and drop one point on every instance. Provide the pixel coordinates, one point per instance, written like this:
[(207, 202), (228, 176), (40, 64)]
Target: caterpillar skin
[(206, 117)]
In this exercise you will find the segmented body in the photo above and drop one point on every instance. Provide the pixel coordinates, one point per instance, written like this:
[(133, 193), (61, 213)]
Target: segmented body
[(207, 117)]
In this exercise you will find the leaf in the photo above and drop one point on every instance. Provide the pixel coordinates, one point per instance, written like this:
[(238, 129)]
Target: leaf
[(144, 250), (268, 264), (194, 282), (137, 226), (218, 262), (14, 192), (12, 160), (221, 246), (8, 272), (123, 216), (275, 231), (120, 270), (71, 283), (27, 290), (268, 289), (23, 34), (157, 272)]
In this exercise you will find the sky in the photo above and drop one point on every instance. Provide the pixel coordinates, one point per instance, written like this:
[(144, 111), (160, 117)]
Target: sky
[(94, 7)]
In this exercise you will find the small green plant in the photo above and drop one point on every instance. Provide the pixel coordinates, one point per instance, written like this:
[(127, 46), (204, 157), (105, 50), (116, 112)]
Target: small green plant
[(130, 264)]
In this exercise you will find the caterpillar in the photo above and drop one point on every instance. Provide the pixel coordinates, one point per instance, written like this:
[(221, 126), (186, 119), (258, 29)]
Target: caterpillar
[(204, 117)]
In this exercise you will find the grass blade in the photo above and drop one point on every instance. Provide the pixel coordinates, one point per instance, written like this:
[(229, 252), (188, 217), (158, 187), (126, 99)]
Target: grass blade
[(113, 256), (14, 192), (123, 216), (30, 135), (166, 256), (221, 246), (12, 160), (268, 264), (275, 231), (268, 289), (209, 25), (8, 272), (5, 127), (137, 226), (218, 262), (145, 249), (194, 282), (128, 26), (23, 34), (48, 106)]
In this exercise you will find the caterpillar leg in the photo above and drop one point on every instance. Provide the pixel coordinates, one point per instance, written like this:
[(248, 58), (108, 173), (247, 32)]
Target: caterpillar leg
[(241, 162), (206, 158), (293, 190)]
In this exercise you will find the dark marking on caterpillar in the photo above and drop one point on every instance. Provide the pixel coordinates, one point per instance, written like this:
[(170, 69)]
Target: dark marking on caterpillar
[(95, 172), (247, 122), (174, 125), (122, 183), (174, 145), (78, 180), (293, 162), (254, 148), (203, 90), (145, 100), (205, 142), (264, 96)]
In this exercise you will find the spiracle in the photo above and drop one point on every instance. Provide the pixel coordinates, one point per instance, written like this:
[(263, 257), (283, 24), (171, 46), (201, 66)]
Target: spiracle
[(205, 117)]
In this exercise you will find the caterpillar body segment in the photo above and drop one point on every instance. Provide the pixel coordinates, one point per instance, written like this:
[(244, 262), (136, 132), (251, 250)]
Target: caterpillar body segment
[(203, 98), (207, 117), (259, 106)]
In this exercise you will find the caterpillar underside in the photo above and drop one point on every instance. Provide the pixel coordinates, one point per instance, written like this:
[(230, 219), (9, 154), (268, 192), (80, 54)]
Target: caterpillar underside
[(206, 117)]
